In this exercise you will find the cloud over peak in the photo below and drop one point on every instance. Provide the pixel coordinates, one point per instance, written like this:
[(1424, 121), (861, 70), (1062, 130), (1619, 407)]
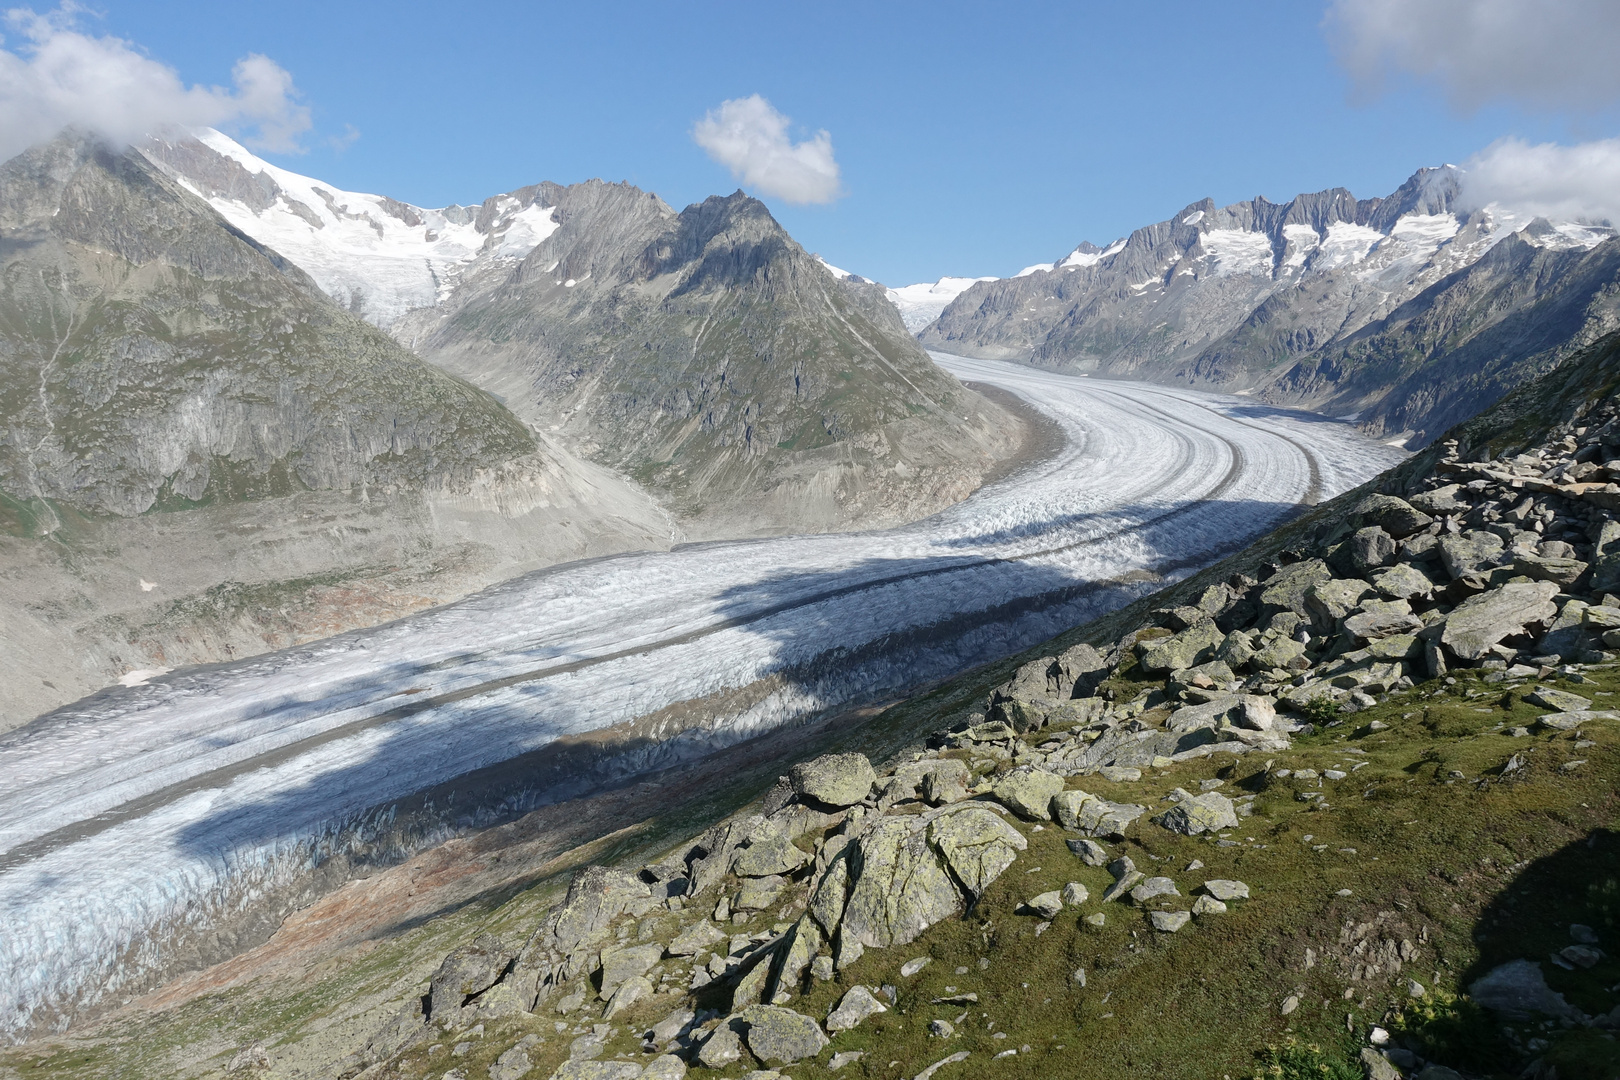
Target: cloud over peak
[(749, 137), (60, 77), (1563, 183), (1552, 55)]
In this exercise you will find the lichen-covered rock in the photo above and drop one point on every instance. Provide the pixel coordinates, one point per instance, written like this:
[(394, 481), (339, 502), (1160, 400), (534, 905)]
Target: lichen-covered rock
[(899, 887), (835, 780), (598, 1070), (1028, 792), (1195, 814), (1184, 650), (469, 970), (1403, 582), (1286, 589), (777, 1034), (721, 1048), (695, 938), (1397, 517), (768, 852), (856, 1006), (1168, 922), (1226, 889), (976, 844), (628, 962), (1560, 571), (1381, 619), (1467, 552), (1332, 600), (1483, 620), (1370, 548)]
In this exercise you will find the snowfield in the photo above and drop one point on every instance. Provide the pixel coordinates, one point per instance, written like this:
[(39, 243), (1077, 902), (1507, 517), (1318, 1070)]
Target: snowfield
[(145, 815)]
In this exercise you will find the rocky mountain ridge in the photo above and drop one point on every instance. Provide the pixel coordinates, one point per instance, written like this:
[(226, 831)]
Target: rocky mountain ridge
[(201, 456), (1411, 311), (703, 353)]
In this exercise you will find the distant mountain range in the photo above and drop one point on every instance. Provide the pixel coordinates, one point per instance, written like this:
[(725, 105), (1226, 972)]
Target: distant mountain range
[(1408, 313)]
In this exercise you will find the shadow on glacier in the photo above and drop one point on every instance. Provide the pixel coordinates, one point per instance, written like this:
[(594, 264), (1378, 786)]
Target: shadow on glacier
[(838, 640), (1278, 412)]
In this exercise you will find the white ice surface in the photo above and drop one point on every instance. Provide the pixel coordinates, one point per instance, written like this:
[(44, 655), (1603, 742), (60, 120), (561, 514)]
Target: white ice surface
[(921, 304), (358, 252), (157, 809), (1237, 251)]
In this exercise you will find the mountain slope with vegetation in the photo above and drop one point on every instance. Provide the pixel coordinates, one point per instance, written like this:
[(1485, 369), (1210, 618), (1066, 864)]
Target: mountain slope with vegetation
[(201, 456)]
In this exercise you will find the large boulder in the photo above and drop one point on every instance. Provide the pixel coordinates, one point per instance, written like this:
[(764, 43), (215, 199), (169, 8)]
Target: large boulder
[(622, 964), (467, 971), (775, 1034), (1481, 621), (1332, 600), (768, 852), (1092, 816), (899, 887), (1028, 792), (1379, 619), (1286, 589), (835, 780), (1178, 651), (1519, 991), (1466, 553), (1078, 671), (976, 844), (1370, 548), (1397, 517), (1195, 814)]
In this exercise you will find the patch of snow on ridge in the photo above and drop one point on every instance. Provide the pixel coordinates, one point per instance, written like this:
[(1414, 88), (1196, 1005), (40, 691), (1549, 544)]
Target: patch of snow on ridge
[(1193, 218), (1426, 230), (835, 271), (921, 304), (1346, 243), (1090, 258), (379, 257), (1036, 268), (1302, 240), (1237, 251)]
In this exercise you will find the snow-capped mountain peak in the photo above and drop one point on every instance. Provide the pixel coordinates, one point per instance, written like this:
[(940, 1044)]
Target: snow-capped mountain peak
[(376, 255)]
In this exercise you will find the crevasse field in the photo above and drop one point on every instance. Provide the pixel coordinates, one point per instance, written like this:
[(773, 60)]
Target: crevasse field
[(159, 808)]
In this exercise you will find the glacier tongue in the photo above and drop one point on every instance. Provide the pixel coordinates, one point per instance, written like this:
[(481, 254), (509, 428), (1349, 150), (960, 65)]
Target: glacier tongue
[(147, 826)]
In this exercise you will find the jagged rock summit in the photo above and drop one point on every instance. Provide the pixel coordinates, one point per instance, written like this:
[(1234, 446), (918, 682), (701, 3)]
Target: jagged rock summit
[(1409, 313)]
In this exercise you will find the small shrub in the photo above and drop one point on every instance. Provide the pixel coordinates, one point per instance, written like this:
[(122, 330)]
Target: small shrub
[(1453, 1030), (1321, 710), (1305, 1061)]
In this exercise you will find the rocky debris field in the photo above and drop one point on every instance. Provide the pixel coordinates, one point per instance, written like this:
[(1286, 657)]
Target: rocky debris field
[(1196, 780)]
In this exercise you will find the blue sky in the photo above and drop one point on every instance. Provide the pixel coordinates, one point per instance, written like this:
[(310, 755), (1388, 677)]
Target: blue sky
[(970, 138)]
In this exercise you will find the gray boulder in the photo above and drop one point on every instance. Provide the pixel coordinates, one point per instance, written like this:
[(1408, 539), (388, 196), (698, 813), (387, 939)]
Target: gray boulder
[(1370, 548), (467, 971), (1560, 571), (1380, 619), (664, 1067), (1481, 621), (1195, 814), (1558, 700), (1397, 517), (1178, 651), (1466, 553), (1091, 853), (1225, 889), (622, 964), (695, 938), (721, 1048), (855, 1007), (777, 1034), (1048, 905), (1332, 600), (1519, 991), (835, 780), (1154, 887), (1028, 792), (1403, 582), (899, 888), (1286, 589), (768, 852), (1078, 671), (1168, 922), (977, 845)]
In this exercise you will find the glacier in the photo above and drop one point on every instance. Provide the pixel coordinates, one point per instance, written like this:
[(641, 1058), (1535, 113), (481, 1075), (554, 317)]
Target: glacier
[(144, 816)]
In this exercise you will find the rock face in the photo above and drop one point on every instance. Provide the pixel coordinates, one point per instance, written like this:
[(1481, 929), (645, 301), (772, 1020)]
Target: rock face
[(1408, 309)]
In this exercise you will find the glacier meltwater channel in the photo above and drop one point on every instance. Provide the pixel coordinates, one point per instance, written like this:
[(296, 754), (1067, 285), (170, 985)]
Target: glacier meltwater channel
[(142, 815)]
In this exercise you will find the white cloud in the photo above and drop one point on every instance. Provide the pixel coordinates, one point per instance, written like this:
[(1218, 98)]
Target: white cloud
[(750, 138), (1553, 54), (1580, 182), (59, 77)]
